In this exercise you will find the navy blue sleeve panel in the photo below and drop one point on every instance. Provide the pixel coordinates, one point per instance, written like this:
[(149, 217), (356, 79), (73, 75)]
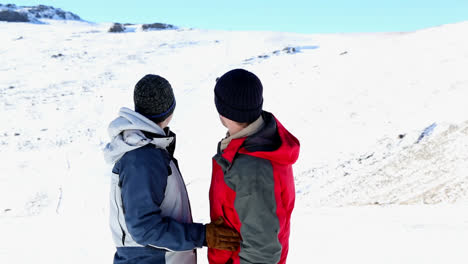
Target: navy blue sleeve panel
[(143, 173)]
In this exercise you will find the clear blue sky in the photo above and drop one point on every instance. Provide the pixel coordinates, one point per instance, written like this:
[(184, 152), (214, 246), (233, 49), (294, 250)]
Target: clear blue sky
[(305, 16)]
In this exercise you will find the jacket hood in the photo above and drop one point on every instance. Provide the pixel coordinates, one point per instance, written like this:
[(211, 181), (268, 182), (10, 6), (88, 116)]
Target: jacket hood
[(273, 142), (127, 132)]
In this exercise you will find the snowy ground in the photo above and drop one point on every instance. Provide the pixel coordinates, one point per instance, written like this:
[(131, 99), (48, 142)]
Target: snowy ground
[(370, 189)]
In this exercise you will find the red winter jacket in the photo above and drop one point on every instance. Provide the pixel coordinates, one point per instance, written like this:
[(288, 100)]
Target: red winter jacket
[(252, 188)]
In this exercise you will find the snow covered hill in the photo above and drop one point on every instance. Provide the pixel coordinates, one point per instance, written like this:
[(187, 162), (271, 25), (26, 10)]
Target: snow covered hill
[(33, 14), (382, 119)]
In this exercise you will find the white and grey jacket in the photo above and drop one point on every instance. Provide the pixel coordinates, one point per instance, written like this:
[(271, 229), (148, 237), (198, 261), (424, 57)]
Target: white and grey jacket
[(150, 212)]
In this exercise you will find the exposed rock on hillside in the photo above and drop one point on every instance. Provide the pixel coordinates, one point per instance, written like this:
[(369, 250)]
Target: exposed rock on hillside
[(33, 14), (157, 26), (13, 16), (117, 28)]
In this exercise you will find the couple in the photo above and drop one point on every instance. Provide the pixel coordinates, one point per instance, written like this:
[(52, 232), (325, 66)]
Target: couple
[(252, 186)]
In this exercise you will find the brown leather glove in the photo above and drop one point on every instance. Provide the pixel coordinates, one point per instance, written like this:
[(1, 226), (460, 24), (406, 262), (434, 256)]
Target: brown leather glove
[(221, 237)]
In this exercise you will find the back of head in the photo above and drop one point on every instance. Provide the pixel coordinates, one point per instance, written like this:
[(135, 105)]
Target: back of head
[(239, 96), (154, 98)]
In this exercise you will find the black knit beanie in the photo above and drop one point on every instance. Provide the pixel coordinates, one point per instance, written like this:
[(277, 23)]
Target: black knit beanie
[(154, 98), (239, 96)]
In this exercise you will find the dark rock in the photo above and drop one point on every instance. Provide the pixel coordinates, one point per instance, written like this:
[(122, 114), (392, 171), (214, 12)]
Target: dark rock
[(290, 50), (343, 53), (7, 210), (57, 55), (157, 26), (366, 157), (117, 28), (13, 16), (61, 14), (401, 136), (427, 132), (17, 134), (11, 87)]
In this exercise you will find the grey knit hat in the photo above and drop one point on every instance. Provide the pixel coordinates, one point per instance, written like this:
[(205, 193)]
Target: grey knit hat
[(154, 98)]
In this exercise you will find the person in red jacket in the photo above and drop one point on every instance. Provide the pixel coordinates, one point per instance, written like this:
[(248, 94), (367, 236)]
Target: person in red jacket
[(252, 186)]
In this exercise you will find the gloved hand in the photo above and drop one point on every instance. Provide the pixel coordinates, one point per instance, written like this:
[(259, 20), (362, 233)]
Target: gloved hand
[(221, 237)]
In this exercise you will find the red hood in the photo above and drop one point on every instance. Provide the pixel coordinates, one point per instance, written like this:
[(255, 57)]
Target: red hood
[(273, 143), (286, 154)]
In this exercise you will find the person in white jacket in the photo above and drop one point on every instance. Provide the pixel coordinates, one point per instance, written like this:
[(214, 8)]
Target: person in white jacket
[(150, 214)]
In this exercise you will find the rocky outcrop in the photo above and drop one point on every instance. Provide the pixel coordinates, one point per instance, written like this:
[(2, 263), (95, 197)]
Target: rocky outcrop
[(13, 16), (48, 12), (157, 26), (117, 28), (34, 14)]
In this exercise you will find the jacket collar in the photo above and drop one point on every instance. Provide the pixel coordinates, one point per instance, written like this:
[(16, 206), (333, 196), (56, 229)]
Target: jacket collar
[(167, 141), (251, 129)]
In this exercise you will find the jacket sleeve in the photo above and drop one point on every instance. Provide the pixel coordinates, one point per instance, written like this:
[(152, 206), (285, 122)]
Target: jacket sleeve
[(252, 180), (143, 173)]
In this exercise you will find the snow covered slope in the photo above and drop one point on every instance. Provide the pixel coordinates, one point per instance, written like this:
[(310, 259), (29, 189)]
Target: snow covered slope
[(412, 168), (376, 180)]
